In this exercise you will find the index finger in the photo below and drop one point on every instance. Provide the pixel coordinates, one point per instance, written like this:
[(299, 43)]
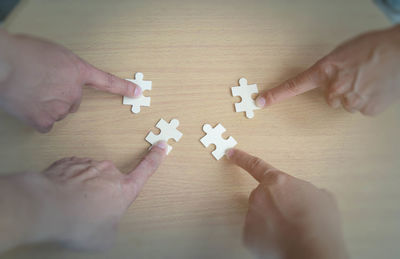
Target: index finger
[(307, 80), (146, 168), (107, 82), (254, 165)]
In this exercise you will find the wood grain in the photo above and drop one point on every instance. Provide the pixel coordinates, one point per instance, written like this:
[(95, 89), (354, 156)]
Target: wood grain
[(194, 51)]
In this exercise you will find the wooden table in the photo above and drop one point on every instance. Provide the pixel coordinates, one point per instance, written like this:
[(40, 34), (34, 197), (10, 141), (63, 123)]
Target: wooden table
[(194, 51)]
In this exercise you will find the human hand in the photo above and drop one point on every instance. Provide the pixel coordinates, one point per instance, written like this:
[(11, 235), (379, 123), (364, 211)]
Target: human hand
[(41, 82), (78, 202), (362, 74), (288, 217)]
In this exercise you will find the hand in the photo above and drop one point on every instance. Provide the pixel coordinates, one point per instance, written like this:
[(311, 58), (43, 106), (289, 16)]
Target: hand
[(41, 82), (78, 201), (362, 74), (289, 217)]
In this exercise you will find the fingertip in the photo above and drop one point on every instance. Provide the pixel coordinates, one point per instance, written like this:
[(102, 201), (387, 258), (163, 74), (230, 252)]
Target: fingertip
[(45, 127), (162, 145), (260, 102), (137, 91), (132, 90), (74, 108), (44, 130)]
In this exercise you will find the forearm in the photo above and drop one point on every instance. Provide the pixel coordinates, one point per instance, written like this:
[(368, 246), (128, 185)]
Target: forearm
[(16, 209), (395, 31), (5, 64), (397, 28)]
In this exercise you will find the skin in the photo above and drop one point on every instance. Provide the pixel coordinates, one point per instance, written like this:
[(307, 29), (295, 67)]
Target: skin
[(41, 82), (288, 217), (76, 202), (79, 202), (361, 75)]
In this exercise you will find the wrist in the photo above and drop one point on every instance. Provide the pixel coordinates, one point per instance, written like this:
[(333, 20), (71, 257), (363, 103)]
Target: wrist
[(24, 218), (328, 246), (39, 222), (16, 211)]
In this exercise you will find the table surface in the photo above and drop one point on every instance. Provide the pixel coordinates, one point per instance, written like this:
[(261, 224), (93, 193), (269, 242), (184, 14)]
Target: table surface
[(194, 51)]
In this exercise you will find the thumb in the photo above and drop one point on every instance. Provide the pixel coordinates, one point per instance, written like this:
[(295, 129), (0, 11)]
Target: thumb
[(107, 82), (311, 78), (135, 180)]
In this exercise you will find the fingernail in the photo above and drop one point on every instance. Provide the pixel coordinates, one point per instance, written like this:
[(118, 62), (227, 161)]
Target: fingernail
[(161, 144), (229, 153), (137, 92), (260, 102)]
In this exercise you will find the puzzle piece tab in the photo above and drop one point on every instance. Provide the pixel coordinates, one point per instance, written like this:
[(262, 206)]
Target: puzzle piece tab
[(141, 100), (168, 131), (245, 91), (214, 136)]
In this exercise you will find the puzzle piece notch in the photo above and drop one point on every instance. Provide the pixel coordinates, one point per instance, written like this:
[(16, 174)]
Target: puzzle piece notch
[(244, 91), (214, 136), (167, 131), (141, 100)]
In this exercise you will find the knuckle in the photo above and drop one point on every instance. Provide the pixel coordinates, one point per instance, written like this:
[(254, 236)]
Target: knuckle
[(93, 170), (346, 103), (275, 177), (74, 108), (326, 67), (61, 116), (330, 92), (150, 162), (106, 163), (83, 68), (59, 110), (134, 188), (60, 161), (126, 84), (370, 110), (110, 79), (348, 108), (353, 102), (336, 88), (269, 98), (333, 102), (45, 125), (254, 163), (75, 95), (292, 87)]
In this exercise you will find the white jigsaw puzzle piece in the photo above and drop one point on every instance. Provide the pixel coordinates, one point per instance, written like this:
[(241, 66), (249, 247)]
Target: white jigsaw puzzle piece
[(141, 100), (167, 131), (245, 91), (214, 136)]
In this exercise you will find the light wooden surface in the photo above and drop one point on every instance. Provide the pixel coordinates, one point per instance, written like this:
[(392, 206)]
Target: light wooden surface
[(194, 51)]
